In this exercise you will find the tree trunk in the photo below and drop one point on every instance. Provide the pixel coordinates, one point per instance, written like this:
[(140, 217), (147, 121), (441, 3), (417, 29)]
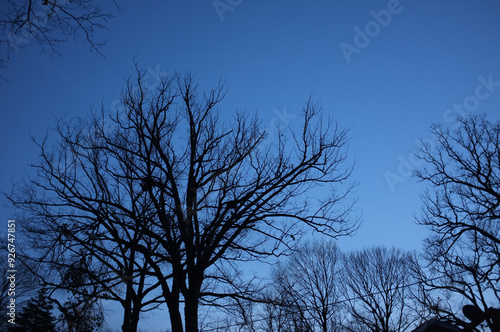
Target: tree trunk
[(191, 312), (127, 308), (175, 316), (126, 317), (324, 318), (134, 317)]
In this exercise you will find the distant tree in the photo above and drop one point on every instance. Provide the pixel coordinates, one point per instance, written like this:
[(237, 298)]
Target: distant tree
[(308, 285), (49, 23), (377, 285), (277, 318), (462, 211), (81, 314), (26, 284), (36, 316), (80, 304), (171, 187)]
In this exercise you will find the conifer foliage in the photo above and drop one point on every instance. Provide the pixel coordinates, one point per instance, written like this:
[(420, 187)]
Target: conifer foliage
[(36, 316)]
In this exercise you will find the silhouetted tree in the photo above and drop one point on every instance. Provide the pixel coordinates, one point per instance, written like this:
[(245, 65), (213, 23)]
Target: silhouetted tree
[(462, 210), (308, 285), (25, 285), (81, 314), (187, 193), (49, 23), (79, 304), (377, 285), (80, 256), (277, 318), (36, 316)]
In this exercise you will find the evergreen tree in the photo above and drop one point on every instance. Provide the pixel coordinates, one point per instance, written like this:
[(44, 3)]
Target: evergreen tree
[(36, 316)]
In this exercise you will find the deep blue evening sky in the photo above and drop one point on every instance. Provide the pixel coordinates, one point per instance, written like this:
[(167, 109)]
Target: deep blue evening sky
[(386, 78)]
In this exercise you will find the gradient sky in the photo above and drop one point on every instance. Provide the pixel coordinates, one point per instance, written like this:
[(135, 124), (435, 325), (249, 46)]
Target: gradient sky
[(385, 69)]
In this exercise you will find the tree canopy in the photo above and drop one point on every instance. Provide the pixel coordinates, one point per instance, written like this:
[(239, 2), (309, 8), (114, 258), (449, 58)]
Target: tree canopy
[(164, 197), (462, 210)]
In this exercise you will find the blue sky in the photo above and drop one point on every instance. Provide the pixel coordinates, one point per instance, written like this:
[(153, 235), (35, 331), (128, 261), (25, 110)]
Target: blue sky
[(421, 65)]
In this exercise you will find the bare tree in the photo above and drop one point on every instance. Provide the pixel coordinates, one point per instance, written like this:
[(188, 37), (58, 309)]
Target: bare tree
[(85, 226), (49, 23), (79, 305), (191, 195), (377, 285), (78, 271), (308, 285), (277, 316), (449, 281), (462, 211)]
